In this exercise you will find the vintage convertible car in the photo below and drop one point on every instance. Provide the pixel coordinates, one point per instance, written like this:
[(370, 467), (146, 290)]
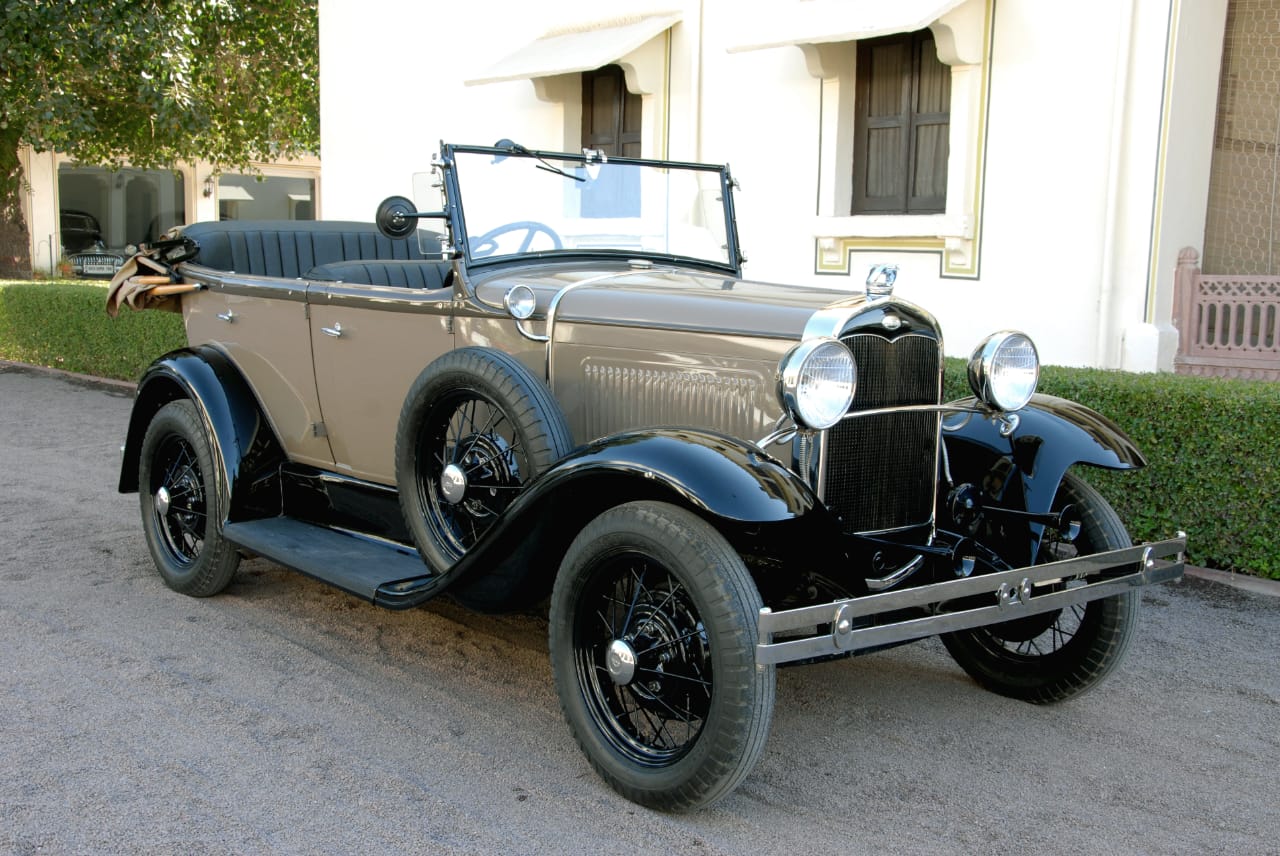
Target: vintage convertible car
[(568, 389)]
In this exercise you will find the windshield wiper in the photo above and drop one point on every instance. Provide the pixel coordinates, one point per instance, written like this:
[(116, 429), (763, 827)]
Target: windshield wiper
[(541, 164), (557, 170)]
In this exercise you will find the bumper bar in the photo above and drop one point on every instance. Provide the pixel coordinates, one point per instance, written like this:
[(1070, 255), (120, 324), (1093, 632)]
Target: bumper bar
[(1013, 594)]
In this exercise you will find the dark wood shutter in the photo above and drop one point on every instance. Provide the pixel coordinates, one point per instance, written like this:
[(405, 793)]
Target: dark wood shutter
[(610, 114), (902, 123)]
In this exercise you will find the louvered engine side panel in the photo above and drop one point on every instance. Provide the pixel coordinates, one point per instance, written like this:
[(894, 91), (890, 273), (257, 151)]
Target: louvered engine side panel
[(621, 397), (880, 471)]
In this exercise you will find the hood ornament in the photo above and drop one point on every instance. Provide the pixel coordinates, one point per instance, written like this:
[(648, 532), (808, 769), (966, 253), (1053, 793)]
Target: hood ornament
[(880, 281)]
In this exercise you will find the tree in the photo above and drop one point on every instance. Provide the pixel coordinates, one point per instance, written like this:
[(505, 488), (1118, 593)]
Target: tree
[(151, 83)]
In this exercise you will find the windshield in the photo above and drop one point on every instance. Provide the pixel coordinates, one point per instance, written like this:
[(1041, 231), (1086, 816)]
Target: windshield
[(515, 204)]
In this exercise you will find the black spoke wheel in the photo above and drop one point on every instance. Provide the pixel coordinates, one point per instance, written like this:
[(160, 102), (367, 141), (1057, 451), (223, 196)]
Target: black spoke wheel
[(475, 429), (653, 648), (1057, 655), (478, 462), (181, 503)]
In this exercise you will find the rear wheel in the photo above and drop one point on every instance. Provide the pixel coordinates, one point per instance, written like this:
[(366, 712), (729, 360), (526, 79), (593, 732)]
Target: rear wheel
[(1056, 655), (475, 429), (181, 503), (653, 632)]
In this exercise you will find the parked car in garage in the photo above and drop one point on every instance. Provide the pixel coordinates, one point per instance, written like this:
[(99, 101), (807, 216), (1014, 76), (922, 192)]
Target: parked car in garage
[(567, 389), (83, 246)]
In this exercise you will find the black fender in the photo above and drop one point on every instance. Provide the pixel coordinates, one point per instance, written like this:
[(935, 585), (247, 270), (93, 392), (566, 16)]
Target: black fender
[(1051, 435), (734, 485), (243, 442)]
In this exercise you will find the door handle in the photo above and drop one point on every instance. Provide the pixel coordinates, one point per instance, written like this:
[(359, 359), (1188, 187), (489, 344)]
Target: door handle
[(227, 316), (335, 331)]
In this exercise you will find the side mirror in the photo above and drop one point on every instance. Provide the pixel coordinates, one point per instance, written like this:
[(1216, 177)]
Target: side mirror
[(397, 217)]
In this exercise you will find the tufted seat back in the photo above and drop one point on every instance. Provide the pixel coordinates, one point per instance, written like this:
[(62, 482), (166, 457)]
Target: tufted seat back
[(290, 248), (426, 273)]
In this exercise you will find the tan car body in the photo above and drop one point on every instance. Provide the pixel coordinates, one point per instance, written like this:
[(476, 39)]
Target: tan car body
[(643, 347)]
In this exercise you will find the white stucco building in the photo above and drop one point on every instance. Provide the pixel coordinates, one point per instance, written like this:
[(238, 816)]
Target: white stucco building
[(1027, 164)]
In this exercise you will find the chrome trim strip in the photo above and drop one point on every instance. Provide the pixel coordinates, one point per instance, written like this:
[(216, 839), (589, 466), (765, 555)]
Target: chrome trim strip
[(1012, 594), (913, 408), (555, 306), (384, 298), (831, 320), (241, 284), (888, 581)]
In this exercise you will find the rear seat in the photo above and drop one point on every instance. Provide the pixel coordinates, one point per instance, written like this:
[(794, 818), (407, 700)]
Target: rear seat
[(291, 248), (403, 274)]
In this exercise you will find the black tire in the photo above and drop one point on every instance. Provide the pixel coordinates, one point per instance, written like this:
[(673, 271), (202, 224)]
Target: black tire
[(1057, 655), (690, 720), (483, 413), (181, 494)]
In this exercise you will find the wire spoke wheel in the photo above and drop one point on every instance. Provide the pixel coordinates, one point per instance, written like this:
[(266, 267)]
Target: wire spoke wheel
[(652, 638), (643, 656), (476, 428), (1052, 656), (476, 464), (181, 505)]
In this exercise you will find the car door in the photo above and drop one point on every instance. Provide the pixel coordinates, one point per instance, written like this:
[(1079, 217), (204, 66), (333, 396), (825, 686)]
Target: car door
[(262, 324), (370, 343)]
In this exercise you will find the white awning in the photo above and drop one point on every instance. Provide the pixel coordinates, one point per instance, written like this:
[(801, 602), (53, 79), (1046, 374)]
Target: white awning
[(582, 48), (816, 22)]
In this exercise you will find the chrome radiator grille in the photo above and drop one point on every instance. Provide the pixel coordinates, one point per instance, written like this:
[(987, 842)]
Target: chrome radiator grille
[(879, 471)]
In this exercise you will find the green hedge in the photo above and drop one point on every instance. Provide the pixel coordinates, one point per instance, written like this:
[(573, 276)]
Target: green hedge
[(1213, 452), (64, 325), (1213, 445)]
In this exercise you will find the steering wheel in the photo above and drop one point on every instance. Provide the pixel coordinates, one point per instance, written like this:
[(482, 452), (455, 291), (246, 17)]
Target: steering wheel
[(487, 244)]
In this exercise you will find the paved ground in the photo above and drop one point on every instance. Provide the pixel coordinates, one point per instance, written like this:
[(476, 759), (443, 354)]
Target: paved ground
[(283, 716)]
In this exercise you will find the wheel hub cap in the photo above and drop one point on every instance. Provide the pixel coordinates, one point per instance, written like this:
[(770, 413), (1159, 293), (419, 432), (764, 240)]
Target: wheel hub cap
[(162, 501), (453, 484), (621, 662)]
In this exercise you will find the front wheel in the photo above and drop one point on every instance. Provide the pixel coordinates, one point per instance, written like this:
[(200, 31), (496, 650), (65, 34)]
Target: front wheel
[(1056, 655), (653, 633)]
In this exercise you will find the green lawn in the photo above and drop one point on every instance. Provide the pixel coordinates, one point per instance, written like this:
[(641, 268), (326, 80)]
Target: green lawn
[(63, 324)]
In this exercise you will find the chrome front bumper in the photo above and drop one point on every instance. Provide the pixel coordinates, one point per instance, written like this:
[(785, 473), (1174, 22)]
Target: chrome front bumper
[(1013, 594)]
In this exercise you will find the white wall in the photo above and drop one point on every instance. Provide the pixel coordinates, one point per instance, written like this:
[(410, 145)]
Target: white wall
[(1095, 170)]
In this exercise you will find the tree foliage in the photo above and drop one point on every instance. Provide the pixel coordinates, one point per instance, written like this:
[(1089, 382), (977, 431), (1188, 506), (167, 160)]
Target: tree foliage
[(154, 82)]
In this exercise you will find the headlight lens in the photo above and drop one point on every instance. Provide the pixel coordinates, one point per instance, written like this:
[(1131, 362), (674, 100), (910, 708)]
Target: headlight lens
[(1004, 370), (520, 302), (816, 382)]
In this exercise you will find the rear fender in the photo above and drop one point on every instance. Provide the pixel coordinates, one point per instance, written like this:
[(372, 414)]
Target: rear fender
[(244, 445)]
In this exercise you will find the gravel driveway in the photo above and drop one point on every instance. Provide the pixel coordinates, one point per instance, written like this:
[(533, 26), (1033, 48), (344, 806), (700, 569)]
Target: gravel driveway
[(283, 716)]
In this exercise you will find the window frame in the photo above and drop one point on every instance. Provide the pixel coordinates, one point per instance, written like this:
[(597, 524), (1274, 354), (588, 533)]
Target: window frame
[(915, 47)]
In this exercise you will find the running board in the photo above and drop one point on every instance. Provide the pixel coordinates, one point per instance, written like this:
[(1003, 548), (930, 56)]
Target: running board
[(383, 572)]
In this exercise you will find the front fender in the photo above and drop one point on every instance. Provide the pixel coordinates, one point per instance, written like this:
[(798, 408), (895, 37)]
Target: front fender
[(710, 472), (231, 416), (1052, 435), (733, 484)]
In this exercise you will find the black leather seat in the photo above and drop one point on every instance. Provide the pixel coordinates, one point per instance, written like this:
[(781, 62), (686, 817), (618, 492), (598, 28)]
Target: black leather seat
[(290, 248), (426, 274)]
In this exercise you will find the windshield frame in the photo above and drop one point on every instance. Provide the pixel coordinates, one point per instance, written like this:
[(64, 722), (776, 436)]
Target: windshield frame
[(458, 226)]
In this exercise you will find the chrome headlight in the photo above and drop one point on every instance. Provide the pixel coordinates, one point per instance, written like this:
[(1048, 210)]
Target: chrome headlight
[(816, 381), (520, 302), (1004, 370)]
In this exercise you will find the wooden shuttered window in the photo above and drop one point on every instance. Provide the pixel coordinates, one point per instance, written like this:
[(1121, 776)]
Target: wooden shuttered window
[(901, 126), (610, 114)]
